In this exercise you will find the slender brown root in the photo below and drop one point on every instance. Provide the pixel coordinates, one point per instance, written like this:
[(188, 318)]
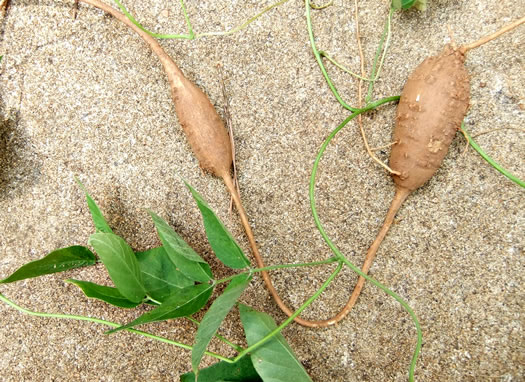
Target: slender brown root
[(490, 37), (4, 5), (266, 277), (75, 9), (166, 61), (384, 146), (359, 96), (451, 36), (229, 126), (259, 261), (467, 144), (399, 198)]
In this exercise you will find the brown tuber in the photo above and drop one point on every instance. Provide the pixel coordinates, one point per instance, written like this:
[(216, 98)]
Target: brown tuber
[(206, 135), (202, 125), (432, 106)]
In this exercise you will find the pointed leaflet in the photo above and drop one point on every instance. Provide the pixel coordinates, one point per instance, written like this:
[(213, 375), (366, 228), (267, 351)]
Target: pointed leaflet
[(161, 277), (274, 360), (240, 371), (182, 255), (184, 303), (57, 261), (405, 4), (100, 292), (221, 240), (98, 219), (121, 263), (215, 315)]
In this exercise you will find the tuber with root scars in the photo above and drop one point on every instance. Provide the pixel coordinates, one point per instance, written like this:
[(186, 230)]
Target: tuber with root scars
[(433, 104)]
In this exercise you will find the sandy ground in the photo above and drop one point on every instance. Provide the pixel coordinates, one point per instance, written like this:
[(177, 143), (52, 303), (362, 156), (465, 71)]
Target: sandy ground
[(85, 97)]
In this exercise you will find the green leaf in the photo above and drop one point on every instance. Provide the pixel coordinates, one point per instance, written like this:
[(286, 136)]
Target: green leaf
[(420, 5), (100, 292), (221, 240), (240, 371), (180, 253), (161, 277), (121, 263), (274, 360), (57, 261), (215, 315), (184, 303), (99, 221), (402, 4)]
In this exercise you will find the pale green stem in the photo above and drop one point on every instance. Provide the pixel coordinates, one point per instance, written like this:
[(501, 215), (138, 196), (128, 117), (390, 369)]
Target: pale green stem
[(338, 253), (388, 31), (343, 68), (243, 25), (187, 18), (374, 76), (291, 318), (191, 35), (279, 266), (323, 6), (491, 161), (153, 300), (320, 60), (104, 322), (153, 34)]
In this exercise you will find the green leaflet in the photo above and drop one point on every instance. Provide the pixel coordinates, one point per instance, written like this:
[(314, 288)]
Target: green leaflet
[(121, 263), (221, 240), (402, 4), (405, 4), (274, 360), (240, 371), (215, 315), (98, 219), (161, 277), (57, 261), (184, 303), (100, 292), (180, 253)]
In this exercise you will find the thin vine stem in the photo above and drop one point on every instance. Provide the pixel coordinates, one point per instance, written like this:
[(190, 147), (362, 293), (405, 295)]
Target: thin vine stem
[(289, 320), (408, 309), (491, 161), (279, 266), (108, 323), (338, 253), (375, 75), (187, 18), (243, 25), (342, 67), (319, 59), (323, 6), (191, 35), (313, 175)]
